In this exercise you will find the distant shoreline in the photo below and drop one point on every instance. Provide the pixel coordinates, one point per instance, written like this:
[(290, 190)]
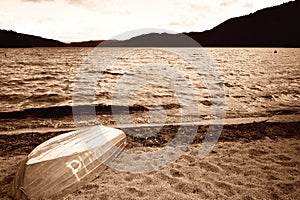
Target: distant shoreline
[(270, 27)]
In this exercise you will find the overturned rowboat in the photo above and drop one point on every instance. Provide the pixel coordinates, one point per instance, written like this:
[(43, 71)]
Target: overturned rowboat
[(64, 163)]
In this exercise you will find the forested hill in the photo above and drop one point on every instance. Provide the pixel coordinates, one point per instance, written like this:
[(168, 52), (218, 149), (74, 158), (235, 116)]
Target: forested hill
[(277, 26), (13, 39)]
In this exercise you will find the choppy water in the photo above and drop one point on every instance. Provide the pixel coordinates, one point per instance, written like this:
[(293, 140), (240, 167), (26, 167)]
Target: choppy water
[(257, 81)]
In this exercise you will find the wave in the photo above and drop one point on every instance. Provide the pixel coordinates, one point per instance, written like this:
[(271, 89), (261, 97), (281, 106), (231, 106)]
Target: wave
[(12, 97), (50, 97), (64, 111)]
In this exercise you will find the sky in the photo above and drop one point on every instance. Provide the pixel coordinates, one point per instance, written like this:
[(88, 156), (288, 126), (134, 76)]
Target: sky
[(82, 20)]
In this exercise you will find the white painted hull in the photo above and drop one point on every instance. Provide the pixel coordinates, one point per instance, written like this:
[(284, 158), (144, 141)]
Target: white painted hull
[(65, 162)]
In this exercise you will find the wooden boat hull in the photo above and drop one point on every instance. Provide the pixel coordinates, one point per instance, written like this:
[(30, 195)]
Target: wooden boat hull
[(65, 162)]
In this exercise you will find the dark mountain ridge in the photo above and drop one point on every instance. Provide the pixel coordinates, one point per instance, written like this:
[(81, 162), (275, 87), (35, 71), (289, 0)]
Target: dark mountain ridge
[(12, 39), (275, 26), (270, 27)]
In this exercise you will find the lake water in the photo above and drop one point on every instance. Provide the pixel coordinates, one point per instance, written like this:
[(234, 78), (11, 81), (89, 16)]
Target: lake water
[(257, 81)]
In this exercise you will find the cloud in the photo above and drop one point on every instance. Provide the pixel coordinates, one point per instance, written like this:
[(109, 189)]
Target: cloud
[(89, 4), (248, 5), (182, 23), (75, 1), (63, 19), (68, 1), (228, 3), (36, 1)]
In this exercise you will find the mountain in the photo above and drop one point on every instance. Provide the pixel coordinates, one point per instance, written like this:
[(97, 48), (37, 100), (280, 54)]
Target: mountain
[(91, 43), (155, 40), (10, 39), (276, 26)]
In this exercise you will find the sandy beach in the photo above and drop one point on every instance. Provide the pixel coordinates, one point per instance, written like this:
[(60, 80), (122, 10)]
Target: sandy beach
[(258, 160)]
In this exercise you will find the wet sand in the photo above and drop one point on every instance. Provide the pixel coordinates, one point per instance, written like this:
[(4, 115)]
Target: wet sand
[(257, 160)]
